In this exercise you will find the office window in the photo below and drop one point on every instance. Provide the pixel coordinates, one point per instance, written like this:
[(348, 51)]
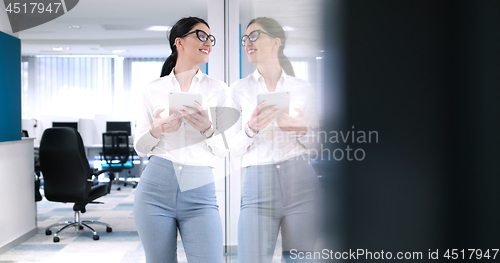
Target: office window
[(311, 71), (68, 86), (25, 95), (142, 71), (301, 69), (84, 86)]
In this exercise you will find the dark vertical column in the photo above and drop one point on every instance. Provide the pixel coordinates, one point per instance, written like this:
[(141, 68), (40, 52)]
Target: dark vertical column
[(425, 76), (474, 179)]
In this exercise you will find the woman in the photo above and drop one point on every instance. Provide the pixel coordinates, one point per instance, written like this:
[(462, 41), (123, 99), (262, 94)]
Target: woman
[(177, 189), (280, 186)]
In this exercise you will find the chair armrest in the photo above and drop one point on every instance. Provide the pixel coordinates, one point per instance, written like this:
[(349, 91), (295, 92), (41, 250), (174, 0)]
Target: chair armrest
[(96, 173)]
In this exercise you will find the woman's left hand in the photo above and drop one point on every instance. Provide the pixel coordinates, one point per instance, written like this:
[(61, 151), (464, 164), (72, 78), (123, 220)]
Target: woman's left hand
[(289, 123), (197, 118)]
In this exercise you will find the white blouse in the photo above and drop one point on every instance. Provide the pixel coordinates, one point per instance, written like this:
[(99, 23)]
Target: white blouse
[(186, 145), (271, 145)]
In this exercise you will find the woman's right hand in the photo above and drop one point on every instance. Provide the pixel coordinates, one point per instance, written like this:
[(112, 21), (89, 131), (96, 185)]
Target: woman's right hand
[(169, 124), (260, 121)]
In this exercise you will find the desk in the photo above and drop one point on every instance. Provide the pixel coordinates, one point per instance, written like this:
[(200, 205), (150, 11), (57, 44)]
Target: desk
[(94, 150), (17, 198)]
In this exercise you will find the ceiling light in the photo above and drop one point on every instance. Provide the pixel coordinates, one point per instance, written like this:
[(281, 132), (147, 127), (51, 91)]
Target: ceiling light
[(118, 51), (289, 28), (158, 28), (74, 27), (57, 48)]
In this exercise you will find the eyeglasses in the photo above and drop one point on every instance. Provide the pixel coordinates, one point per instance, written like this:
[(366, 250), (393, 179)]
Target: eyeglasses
[(202, 36), (253, 36)]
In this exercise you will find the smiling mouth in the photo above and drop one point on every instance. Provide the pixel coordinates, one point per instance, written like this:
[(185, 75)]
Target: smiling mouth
[(204, 51), (251, 51)]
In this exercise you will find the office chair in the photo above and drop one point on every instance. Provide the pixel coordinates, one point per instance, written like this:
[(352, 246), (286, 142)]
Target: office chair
[(38, 196), (116, 152), (68, 177)]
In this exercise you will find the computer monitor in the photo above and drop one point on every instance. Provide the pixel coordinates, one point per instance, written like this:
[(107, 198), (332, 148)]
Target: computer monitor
[(119, 126), (73, 125)]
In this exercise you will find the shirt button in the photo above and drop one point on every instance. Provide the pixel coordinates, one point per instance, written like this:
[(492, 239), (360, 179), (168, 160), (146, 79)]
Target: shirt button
[(278, 166), (180, 167)]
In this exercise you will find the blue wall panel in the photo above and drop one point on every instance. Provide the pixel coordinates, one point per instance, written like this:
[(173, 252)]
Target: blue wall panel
[(10, 88)]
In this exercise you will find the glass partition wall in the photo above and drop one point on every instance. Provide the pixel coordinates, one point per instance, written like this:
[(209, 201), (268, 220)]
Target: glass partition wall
[(302, 24), (123, 76)]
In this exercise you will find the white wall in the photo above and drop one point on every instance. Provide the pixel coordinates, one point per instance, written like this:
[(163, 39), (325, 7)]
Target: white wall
[(17, 195)]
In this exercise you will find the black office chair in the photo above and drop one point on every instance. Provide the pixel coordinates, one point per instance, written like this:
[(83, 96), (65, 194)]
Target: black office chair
[(68, 177), (117, 155)]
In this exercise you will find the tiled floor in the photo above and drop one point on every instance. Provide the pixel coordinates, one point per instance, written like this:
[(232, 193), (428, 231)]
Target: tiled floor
[(121, 245)]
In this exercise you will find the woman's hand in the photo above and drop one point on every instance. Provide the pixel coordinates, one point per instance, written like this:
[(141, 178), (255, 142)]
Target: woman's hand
[(198, 119), (296, 124), (169, 124), (260, 121)]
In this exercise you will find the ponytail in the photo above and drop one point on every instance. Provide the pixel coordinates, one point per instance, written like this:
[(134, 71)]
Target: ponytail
[(169, 64), (285, 63)]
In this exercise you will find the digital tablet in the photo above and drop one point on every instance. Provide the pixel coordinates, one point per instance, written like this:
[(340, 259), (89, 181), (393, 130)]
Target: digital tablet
[(280, 98), (178, 99)]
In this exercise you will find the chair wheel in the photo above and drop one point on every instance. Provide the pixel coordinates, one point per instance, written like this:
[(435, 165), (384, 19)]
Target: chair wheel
[(124, 184), (134, 186), (56, 239), (96, 237), (118, 189), (80, 227), (48, 232), (109, 229)]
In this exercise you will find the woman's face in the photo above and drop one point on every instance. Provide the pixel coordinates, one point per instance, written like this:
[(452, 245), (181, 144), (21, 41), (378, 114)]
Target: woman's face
[(195, 50), (263, 49)]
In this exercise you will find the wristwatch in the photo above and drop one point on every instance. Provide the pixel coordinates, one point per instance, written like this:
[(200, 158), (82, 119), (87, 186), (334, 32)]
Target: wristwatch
[(250, 132), (209, 132)]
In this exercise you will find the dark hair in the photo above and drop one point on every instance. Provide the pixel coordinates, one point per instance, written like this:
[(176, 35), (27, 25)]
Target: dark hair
[(180, 28), (274, 28)]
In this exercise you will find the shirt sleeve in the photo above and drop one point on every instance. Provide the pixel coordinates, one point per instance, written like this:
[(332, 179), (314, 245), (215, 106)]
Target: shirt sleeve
[(144, 142), (238, 140), (311, 117), (216, 142)]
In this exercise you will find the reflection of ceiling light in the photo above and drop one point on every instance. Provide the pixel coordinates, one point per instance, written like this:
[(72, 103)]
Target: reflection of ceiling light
[(78, 56), (318, 58), (57, 48), (289, 28), (74, 27), (118, 51), (158, 28), (67, 48)]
